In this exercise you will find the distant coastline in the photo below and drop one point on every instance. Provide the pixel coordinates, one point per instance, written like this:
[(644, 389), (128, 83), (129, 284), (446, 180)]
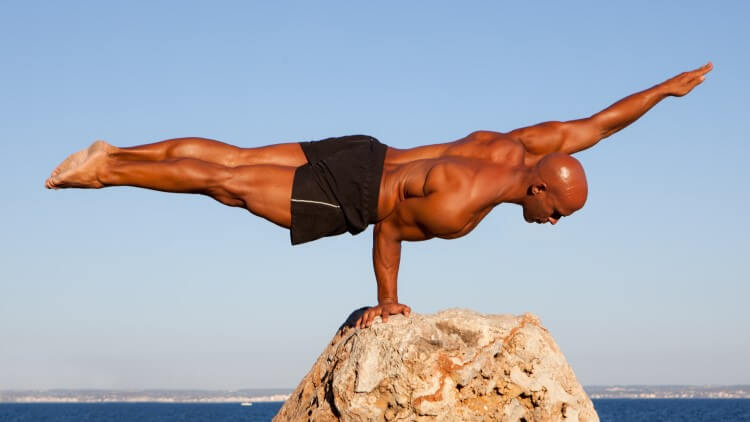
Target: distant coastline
[(144, 396), (668, 391), (280, 395)]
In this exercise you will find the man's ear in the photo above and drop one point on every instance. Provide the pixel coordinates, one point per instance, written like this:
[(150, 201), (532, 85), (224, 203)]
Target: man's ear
[(535, 189)]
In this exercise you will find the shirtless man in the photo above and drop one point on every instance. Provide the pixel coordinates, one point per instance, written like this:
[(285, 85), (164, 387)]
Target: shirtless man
[(324, 188)]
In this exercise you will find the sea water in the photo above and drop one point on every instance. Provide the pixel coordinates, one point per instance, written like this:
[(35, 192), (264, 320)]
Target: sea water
[(626, 410)]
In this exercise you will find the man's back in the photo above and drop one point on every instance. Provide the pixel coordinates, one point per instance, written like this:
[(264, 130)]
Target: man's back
[(486, 145)]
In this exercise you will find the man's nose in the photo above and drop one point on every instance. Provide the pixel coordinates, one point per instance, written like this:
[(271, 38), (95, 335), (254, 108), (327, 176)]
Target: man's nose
[(553, 221)]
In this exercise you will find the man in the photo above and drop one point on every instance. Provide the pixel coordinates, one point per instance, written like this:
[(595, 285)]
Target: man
[(324, 188)]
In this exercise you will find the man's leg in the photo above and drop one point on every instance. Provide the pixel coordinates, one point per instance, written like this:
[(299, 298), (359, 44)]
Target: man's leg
[(286, 154), (265, 190)]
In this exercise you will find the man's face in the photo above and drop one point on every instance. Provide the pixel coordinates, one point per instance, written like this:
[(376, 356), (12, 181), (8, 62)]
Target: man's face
[(542, 207)]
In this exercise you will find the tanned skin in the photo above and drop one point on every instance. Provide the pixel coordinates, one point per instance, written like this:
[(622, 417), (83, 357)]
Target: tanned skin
[(440, 190)]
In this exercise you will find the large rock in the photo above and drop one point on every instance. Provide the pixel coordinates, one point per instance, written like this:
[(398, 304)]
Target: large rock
[(456, 365)]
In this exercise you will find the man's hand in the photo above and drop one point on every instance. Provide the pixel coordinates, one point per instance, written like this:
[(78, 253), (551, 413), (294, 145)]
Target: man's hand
[(685, 82), (383, 310)]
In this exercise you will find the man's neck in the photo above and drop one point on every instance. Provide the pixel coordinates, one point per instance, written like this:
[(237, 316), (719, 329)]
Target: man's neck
[(517, 187)]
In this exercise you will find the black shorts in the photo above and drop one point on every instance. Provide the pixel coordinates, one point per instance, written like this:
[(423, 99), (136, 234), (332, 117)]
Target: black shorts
[(337, 190)]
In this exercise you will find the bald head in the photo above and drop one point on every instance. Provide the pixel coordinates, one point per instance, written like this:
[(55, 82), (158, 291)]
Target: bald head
[(565, 178), (557, 188)]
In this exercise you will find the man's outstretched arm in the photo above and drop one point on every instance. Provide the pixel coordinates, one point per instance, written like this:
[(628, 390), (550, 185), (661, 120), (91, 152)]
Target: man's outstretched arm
[(577, 135)]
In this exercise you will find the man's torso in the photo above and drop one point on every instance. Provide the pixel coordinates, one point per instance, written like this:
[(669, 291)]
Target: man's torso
[(478, 167)]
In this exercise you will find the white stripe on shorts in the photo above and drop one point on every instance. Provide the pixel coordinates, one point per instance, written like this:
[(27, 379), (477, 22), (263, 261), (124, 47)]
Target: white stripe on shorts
[(315, 202)]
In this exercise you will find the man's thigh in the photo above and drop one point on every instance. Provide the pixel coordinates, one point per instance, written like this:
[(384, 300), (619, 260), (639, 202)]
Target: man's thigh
[(286, 154), (265, 189)]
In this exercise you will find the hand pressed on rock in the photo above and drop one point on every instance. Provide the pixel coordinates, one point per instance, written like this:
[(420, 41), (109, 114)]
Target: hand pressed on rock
[(383, 310)]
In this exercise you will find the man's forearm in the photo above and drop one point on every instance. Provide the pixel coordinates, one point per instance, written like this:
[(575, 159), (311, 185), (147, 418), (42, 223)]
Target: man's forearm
[(577, 135), (386, 256), (628, 110)]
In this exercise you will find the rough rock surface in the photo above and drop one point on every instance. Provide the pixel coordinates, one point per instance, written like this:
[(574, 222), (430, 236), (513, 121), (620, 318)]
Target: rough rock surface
[(456, 365)]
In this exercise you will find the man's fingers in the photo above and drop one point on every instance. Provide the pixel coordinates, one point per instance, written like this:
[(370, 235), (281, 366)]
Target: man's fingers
[(704, 69), (368, 317), (375, 313), (691, 75), (697, 80), (362, 320)]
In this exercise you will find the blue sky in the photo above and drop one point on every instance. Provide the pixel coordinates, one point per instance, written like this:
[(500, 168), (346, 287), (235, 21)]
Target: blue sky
[(128, 288)]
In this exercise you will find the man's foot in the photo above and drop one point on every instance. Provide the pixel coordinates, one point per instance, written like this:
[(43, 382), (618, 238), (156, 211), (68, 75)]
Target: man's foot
[(80, 169)]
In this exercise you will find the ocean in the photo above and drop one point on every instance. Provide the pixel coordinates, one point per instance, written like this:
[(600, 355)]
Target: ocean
[(630, 410)]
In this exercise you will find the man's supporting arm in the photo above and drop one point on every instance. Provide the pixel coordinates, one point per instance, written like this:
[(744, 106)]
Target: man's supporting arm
[(577, 135), (386, 256), (413, 219)]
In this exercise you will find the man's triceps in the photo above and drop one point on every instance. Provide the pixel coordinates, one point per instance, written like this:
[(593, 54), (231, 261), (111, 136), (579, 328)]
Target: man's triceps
[(540, 139)]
